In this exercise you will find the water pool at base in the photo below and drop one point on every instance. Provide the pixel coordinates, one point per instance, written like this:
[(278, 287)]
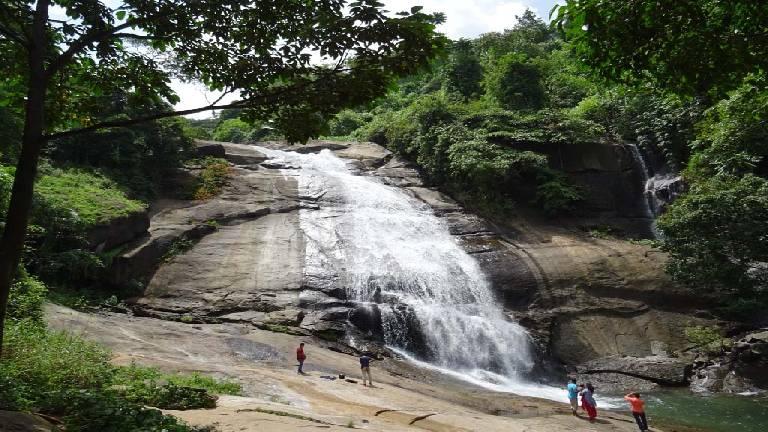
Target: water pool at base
[(713, 413)]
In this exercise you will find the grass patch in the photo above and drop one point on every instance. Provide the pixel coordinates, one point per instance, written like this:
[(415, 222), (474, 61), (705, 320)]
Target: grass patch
[(129, 375), (279, 328), (94, 198)]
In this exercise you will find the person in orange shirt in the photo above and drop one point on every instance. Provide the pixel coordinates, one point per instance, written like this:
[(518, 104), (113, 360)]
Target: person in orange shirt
[(638, 410)]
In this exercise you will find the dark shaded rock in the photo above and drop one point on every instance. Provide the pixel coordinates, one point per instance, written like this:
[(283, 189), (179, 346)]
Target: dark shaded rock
[(209, 149), (329, 324), (13, 421), (657, 369), (367, 318), (400, 173), (118, 231)]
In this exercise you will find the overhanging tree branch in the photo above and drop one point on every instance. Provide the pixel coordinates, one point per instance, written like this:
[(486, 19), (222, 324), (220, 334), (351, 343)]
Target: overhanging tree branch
[(157, 116), (88, 39), (134, 121)]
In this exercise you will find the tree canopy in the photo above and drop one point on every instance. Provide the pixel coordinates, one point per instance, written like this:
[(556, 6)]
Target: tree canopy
[(690, 46), (295, 63)]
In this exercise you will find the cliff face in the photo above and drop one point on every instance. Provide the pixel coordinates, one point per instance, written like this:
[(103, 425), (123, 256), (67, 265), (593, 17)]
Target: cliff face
[(587, 301)]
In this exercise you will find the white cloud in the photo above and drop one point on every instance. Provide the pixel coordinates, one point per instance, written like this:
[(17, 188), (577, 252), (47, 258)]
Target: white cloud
[(469, 18)]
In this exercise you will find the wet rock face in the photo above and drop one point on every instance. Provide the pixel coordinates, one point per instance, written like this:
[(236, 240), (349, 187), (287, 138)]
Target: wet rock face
[(740, 370), (582, 298)]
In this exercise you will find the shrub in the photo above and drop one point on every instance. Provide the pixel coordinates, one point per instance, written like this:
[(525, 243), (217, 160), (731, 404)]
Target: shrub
[(554, 194), (346, 122), (515, 84), (26, 299), (212, 178), (60, 374), (41, 369), (232, 130), (707, 338), (129, 375), (99, 411), (716, 234)]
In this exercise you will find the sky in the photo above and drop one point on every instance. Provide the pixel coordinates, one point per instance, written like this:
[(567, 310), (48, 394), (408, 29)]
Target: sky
[(464, 18)]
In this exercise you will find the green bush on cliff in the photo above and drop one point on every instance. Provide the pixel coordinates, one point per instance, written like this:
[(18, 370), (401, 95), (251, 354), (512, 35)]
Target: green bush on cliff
[(91, 197), (212, 178)]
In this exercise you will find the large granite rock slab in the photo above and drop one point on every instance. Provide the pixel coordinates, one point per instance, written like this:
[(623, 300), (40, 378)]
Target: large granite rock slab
[(657, 369)]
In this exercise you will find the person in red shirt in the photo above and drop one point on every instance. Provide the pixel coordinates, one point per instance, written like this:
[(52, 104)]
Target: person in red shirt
[(638, 410), (300, 357)]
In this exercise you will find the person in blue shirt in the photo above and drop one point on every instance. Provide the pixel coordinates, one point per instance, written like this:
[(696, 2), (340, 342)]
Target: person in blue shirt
[(573, 395), (365, 368)]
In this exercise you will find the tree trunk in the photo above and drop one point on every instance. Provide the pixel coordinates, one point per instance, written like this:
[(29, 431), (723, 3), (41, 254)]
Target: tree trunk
[(32, 141)]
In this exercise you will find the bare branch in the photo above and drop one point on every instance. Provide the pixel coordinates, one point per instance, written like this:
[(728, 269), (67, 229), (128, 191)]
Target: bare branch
[(139, 37)]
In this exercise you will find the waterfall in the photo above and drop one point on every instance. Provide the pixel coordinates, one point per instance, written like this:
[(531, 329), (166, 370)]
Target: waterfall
[(640, 162), (659, 188), (391, 252)]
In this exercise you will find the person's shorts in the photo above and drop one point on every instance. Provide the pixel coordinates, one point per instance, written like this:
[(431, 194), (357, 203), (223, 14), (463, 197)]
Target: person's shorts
[(575, 403)]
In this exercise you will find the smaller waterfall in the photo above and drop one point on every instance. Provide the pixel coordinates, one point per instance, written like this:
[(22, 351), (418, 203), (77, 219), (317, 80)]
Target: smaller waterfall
[(659, 187), (645, 172)]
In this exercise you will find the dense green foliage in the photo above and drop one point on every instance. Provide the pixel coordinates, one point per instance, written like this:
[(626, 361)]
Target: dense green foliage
[(716, 234), (65, 376), (707, 113), (482, 122), (68, 202), (689, 46), (515, 84)]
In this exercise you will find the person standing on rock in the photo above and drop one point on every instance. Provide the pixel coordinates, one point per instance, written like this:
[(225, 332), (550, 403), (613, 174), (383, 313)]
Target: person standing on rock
[(638, 410), (588, 401), (300, 357), (365, 368), (573, 395)]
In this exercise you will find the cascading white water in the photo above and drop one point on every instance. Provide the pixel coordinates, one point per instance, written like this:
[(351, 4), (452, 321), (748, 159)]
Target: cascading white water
[(389, 247)]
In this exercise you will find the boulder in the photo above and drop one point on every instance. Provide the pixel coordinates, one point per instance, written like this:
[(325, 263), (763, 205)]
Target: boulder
[(657, 369), (13, 421), (209, 149), (119, 231), (616, 382), (328, 324)]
